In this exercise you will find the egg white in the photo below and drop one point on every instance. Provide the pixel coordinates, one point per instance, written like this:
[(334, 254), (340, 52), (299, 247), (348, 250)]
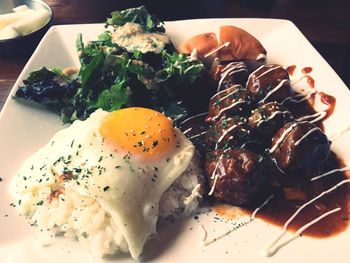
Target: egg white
[(128, 187)]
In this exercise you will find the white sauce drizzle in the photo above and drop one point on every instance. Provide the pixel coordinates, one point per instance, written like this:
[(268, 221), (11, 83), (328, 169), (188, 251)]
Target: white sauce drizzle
[(295, 81), (273, 248), (189, 68), (280, 139), (306, 135), (194, 55), (236, 65), (224, 134), (226, 44), (215, 176), (197, 135), (230, 94), (318, 116), (260, 207), (273, 90), (237, 70), (224, 76), (330, 172), (240, 101), (192, 117), (273, 115), (261, 56), (187, 131), (269, 70), (206, 242), (223, 91), (251, 74), (303, 97)]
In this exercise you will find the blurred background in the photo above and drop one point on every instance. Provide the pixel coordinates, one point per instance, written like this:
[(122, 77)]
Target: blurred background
[(326, 24)]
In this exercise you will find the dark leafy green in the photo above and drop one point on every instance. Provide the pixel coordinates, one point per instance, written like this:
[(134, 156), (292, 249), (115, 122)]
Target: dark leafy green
[(48, 88), (138, 15)]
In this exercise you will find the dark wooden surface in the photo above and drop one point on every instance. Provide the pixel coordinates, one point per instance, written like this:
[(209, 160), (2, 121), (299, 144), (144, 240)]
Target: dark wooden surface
[(325, 23)]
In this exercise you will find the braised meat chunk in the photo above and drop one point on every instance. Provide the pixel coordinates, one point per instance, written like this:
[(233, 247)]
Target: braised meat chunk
[(269, 83), (230, 132), (268, 119), (235, 176), (235, 100), (229, 74), (300, 146)]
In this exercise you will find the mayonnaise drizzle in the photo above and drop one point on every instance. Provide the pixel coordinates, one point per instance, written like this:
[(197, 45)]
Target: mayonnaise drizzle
[(189, 68), (295, 81), (228, 70), (273, 90), (226, 96), (197, 135), (223, 91), (280, 139), (273, 115), (261, 206), (215, 176), (240, 101), (318, 116), (194, 55), (224, 134), (306, 135), (303, 97), (261, 56), (330, 172), (269, 70), (192, 117), (206, 242), (273, 248), (187, 131), (226, 44), (251, 74)]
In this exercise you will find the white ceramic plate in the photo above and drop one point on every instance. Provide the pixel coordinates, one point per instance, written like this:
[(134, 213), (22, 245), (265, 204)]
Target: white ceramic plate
[(24, 129)]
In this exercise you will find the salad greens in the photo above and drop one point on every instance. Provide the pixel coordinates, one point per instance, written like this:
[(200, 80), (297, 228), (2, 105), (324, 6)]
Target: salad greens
[(110, 77), (138, 15)]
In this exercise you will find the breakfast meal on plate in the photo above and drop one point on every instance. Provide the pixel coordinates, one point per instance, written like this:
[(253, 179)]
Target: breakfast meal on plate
[(22, 21), (158, 130)]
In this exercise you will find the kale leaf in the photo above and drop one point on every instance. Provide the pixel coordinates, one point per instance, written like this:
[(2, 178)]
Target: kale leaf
[(48, 88)]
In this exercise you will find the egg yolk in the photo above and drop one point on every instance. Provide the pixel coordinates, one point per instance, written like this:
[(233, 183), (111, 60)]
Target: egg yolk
[(139, 131)]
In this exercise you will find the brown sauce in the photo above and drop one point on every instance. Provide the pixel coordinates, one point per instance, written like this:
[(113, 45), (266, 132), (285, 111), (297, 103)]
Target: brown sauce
[(328, 100), (280, 209), (306, 70), (310, 81), (291, 69)]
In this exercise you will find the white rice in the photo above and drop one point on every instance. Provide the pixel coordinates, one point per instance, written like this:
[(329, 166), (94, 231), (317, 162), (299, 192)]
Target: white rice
[(82, 217)]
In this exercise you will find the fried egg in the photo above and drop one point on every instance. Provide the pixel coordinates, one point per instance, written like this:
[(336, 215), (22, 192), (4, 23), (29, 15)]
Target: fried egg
[(125, 160)]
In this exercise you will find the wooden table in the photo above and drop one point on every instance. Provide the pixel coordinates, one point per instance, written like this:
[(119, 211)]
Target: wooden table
[(325, 23)]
